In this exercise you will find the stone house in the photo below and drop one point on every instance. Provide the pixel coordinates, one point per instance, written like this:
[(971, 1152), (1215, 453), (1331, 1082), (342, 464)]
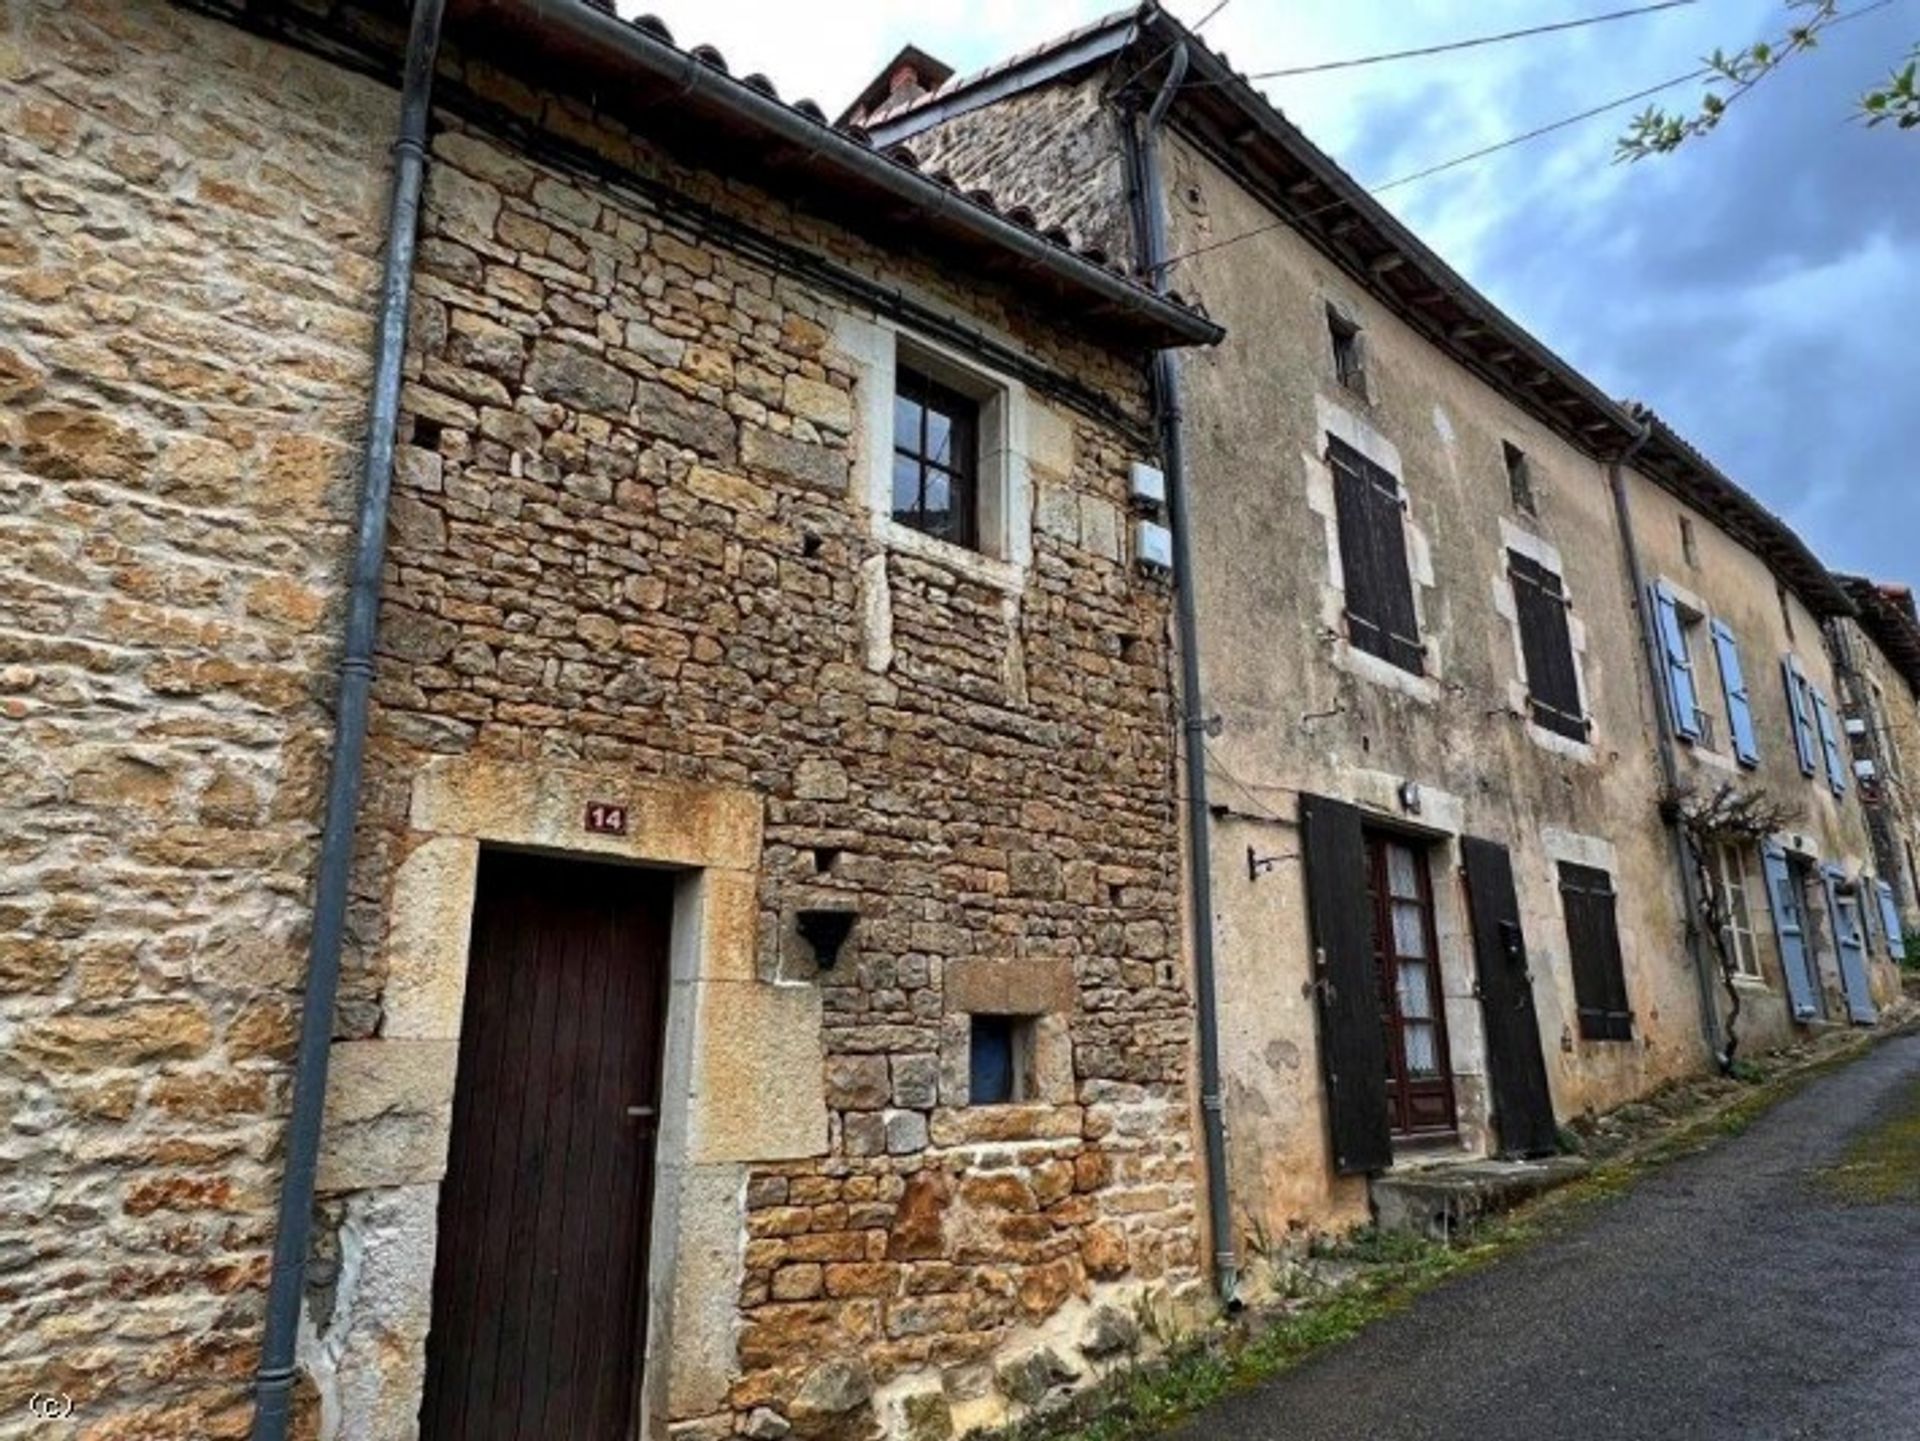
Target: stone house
[(1877, 656), (1449, 905), (759, 1004), (1753, 700)]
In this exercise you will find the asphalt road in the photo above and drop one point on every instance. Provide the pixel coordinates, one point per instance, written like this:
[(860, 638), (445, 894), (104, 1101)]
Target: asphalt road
[(1726, 1297)]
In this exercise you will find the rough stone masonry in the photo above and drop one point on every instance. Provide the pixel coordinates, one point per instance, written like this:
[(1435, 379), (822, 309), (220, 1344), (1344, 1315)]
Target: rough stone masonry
[(630, 544)]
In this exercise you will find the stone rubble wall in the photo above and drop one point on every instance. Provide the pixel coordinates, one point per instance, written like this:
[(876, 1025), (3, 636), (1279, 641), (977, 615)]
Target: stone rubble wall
[(1056, 150), (189, 224), (624, 534)]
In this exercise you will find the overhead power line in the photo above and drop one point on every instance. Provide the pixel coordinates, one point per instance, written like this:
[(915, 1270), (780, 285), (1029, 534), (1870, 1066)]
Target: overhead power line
[(1480, 154), (1474, 43), (1167, 50), (1430, 170)]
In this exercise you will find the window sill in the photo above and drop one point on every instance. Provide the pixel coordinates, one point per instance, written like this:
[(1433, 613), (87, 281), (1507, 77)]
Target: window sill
[(972, 564), (1757, 984), (1560, 745)]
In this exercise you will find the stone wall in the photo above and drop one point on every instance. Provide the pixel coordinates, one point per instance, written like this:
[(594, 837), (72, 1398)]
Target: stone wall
[(188, 228), (1055, 149)]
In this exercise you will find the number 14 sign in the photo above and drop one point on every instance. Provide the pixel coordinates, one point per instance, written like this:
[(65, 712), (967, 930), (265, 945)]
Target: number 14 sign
[(605, 819)]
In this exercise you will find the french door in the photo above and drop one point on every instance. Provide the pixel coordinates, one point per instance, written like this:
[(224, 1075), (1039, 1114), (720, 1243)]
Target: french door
[(1406, 956)]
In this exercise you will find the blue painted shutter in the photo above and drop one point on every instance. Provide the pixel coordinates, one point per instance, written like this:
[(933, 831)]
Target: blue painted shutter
[(1890, 921), (1830, 743), (1797, 713), (1783, 900), (1746, 744), (1683, 700), (1852, 948)]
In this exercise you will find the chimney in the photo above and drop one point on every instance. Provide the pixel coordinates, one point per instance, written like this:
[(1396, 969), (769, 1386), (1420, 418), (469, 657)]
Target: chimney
[(909, 76)]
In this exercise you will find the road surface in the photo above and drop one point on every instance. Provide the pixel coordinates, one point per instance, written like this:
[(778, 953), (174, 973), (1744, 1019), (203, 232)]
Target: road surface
[(1732, 1296)]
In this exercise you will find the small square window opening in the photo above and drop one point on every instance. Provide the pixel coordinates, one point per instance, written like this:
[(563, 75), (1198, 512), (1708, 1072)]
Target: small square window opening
[(1349, 353), (999, 1060), (936, 433), (1689, 547), (1519, 477)]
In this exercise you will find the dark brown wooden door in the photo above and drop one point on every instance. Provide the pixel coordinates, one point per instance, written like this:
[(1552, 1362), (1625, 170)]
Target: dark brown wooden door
[(1406, 958), (540, 1273), (1516, 1066)]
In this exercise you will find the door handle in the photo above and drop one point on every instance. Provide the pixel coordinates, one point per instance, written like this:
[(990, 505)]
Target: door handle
[(640, 1113)]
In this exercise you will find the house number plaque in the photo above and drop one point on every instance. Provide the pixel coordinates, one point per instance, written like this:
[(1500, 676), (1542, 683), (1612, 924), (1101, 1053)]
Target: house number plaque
[(604, 819)]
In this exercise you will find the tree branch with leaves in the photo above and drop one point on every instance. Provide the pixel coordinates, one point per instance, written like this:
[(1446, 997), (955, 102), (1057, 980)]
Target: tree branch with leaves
[(1728, 816), (1657, 131)]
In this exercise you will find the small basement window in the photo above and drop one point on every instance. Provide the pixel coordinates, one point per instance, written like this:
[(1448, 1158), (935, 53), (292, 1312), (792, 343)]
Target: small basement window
[(1519, 478), (1000, 1060), (936, 447), (1349, 351)]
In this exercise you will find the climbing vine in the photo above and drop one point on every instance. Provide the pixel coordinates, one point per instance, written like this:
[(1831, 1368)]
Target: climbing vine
[(1726, 816)]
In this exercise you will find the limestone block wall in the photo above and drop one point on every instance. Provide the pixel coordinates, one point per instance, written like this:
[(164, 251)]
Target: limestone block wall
[(635, 540), (188, 228)]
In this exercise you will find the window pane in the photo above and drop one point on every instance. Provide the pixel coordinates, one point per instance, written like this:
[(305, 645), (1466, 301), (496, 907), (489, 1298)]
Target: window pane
[(1409, 929), (939, 437), (906, 490), (991, 1061), (906, 422), (1403, 873), (1423, 1056), (937, 504), (1416, 993)]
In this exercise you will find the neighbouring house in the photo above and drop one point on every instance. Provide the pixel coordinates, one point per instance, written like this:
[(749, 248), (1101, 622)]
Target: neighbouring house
[(1450, 897), (1877, 654), (1753, 701), (761, 1007)]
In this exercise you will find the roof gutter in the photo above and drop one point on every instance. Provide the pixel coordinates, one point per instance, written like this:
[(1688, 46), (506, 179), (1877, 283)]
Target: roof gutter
[(840, 154), (1150, 220), (1665, 743), (273, 1381)]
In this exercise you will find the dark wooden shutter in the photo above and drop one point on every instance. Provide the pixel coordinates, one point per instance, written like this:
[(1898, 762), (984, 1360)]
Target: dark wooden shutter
[(1373, 554), (1516, 1066), (1593, 941), (1353, 1052), (1546, 641)]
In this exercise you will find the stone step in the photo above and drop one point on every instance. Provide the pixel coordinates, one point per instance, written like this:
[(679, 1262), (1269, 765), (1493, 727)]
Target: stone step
[(1444, 1199)]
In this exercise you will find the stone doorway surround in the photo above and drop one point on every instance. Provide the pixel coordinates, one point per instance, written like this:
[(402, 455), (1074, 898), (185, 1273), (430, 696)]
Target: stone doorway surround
[(743, 1081)]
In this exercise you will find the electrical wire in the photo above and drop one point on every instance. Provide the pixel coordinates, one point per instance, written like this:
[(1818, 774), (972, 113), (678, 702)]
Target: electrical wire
[(1444, 165), (1483, 151), (1453, 45), (1167, 50)]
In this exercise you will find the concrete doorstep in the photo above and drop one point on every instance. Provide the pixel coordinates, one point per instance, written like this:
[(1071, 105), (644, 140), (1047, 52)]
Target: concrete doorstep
[(1439, 1201)]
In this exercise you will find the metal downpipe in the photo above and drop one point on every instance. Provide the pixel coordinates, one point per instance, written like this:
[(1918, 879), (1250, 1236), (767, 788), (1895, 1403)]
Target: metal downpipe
[(1151, 224), (1667, 746), (273, 1382)]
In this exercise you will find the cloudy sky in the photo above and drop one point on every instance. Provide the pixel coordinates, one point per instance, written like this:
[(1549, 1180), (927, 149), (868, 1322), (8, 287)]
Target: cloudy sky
[(1760, 288)]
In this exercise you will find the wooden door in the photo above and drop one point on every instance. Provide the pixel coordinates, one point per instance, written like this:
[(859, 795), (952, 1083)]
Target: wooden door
[(1516, 1065), (1351, 1057), (1406, 958), (540, 1275)]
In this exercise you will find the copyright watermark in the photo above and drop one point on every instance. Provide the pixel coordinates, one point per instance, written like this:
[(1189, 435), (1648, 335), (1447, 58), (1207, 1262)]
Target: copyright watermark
[(49, 1406)]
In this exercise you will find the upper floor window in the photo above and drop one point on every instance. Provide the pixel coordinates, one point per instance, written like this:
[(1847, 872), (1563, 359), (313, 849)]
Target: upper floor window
[(1519, 477), (1349, 351), (1373, 556), (1685, 630), (936, 434), (1689, 546), (1546, 644)]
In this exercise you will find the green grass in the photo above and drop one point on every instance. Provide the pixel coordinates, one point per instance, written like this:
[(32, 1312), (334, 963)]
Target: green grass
[(1881, 1166)]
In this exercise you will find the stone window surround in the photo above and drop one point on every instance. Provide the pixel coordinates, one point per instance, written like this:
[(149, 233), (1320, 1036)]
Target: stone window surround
[(1507, 605), (1004, 484), (1333, 418), (742, 1057)]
